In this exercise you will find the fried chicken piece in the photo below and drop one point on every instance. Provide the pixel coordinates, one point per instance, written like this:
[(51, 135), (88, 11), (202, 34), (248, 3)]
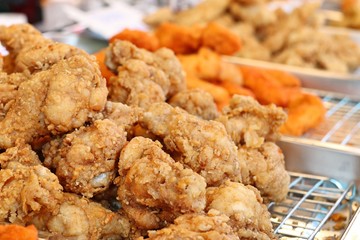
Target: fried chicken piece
[(304, 112), (20, 153), (153, 188), (249, 123), (85, 160), (26, 191), (67, 95), (267, 171), (80, 218), (197, 102), (210, 226), (220, 39), (201, 145), (180, 39), (139, 38), (249, 217), (138, 84), (119, 52)]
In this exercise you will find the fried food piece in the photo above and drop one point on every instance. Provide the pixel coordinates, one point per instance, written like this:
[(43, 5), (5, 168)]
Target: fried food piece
[(85, 160), (180, 39), (249, 217), (271, 86), (68, 95), (204, 146), (17, 232), (267, 172), (20, 153), (105, 71), (306, 111), (119, 52), (153, 188), (220, 39), (210, 226), (138, 84), (249, 123), (161, 15), (139, 38), (197, 102)]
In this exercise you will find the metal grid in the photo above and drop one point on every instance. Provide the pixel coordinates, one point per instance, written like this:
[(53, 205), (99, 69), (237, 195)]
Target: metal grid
[(342, 120), (310, 202)]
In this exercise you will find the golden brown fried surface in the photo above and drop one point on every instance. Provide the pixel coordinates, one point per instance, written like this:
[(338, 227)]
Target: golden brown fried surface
[(249, 123), (20, 153), (85, 160), (153, 188), (197, 102), (267, 172), (139, 38), (210, 226), (249, 217), (201, 145)]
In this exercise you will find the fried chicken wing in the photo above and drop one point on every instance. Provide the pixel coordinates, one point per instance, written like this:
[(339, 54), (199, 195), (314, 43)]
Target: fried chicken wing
[(153, 188), (267, 171), (201, 145), (249, 123), (210, 226), (197, 102), (249, 217), (85, 160)]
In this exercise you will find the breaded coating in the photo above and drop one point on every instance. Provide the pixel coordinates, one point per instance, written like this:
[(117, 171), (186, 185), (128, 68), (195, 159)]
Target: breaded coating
[(249, 217), (267, 171), (249, 123), (20, 153), (85, 160), (119, 52), (210, 226), (67, 95), (202, 145), (26, 191), (197, 102), (153, 188)]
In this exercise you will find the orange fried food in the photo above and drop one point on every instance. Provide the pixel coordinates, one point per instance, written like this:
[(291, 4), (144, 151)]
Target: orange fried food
[(180, 39), (269, 88), (17, 232), (233, 89), (105, 71), (139, 38), (220, 39), (304, 112)]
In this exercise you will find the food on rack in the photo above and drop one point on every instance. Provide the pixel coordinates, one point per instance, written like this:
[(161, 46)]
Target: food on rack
[(17, 232), (153, 198)]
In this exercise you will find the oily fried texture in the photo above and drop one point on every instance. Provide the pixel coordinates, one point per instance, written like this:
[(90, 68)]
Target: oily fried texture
[(67, 95), (306, 111), (210, 226), (197, 102), (267, 171), (139, 38), (85, 160), (153, 188), (80, 218), (17, 232), (249, 123), (204, 146), (249, 217), (119, 52), (20, 153)]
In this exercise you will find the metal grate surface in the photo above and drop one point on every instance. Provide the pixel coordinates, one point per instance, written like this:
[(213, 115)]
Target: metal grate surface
[(342, 123), (310, 202)]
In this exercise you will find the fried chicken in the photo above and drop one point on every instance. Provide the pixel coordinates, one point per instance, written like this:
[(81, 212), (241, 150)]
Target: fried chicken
[(67, 95), (249, 123), (249, 217), (153, 188), (267, 171), (85, 160), (20, 153), (204, 146), (197, 102), (210, 226), (139, 38), (119, 52)]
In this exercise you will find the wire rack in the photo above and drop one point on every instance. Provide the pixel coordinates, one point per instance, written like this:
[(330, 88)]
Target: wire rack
[(310, 202), (342, 124)]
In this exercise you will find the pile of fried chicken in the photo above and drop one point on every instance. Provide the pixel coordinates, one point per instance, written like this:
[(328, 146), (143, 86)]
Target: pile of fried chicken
[(142, 158)]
